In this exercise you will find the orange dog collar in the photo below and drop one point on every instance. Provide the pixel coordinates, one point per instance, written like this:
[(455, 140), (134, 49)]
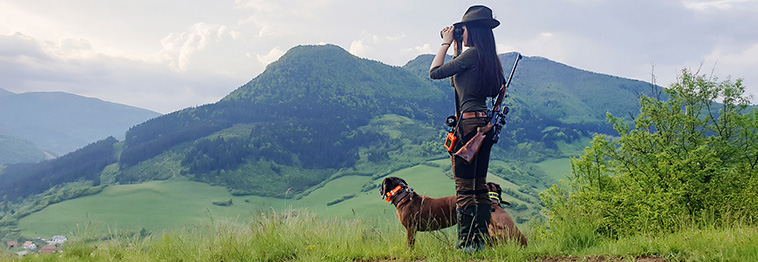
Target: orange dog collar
[(392, 193)]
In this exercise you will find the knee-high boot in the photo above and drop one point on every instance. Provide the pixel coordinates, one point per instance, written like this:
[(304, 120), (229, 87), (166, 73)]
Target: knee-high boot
[(481, 224), (466, 227)]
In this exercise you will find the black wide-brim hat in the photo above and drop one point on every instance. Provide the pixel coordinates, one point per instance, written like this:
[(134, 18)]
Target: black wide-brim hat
[(478, 15)]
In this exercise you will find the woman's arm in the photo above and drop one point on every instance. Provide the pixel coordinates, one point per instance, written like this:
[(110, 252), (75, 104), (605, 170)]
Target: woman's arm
[(447, 39)]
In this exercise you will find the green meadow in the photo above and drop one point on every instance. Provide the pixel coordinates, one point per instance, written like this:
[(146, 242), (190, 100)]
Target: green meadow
[(301, 235), (170, 204)]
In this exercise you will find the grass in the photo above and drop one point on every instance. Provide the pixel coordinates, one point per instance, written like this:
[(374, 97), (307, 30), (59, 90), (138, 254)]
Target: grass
[(177, 221), (301, 235), (556, 168)]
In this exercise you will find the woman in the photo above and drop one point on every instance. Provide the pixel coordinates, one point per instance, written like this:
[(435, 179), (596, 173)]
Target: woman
[(476, 75)]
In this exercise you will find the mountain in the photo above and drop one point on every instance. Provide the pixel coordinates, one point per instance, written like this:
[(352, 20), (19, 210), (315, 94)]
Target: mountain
[(306, 116), (319, 113), (15, 150), (60, 123)]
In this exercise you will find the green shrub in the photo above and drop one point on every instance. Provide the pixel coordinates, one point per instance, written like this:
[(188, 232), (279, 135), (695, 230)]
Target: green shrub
[(688, 161), (223, 203)]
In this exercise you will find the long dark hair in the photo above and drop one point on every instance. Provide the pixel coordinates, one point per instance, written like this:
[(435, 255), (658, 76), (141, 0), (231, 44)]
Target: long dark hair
[(489, 64)]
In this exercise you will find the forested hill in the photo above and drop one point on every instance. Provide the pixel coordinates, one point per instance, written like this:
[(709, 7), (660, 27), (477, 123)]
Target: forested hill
[(320, 111), (60, 123), (308, 102), (308, 76)]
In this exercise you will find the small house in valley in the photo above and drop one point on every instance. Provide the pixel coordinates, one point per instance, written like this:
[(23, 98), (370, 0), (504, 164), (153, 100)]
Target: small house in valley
[(29, 245), (58, 240)]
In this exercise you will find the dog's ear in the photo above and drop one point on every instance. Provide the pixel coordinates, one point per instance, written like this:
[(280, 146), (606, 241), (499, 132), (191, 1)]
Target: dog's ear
[(495, 187), (383, 188), (402, 181)]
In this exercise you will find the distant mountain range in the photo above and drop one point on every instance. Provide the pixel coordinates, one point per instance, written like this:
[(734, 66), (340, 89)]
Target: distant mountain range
[(317, 113), (39, 125)]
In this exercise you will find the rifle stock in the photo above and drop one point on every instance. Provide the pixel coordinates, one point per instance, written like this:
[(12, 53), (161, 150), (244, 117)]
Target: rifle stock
[(469, 150)]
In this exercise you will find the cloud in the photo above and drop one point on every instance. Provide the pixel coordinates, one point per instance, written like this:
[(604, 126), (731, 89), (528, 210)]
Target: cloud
[(422, 49), (272, 56), (181, 48), (32, 65), (199, 50), (358, 48), (735, 62), (719, 4)]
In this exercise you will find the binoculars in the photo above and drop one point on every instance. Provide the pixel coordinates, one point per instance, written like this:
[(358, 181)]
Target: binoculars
[(457, 33)]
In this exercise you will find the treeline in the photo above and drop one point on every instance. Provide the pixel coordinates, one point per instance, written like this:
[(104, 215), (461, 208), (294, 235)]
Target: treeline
[(153, 137), (18, 181)]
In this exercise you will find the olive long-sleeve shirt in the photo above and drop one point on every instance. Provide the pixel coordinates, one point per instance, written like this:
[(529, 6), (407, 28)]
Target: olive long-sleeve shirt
[(466, 80)]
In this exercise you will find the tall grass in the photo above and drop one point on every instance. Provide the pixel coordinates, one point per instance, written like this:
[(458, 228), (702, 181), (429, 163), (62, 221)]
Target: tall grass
[(299, 235)]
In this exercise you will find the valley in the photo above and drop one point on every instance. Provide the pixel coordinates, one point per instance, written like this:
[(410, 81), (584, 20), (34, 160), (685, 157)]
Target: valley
[(156, 206)]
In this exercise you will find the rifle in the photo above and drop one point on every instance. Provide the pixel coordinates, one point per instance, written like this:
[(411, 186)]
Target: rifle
[(497, 120)]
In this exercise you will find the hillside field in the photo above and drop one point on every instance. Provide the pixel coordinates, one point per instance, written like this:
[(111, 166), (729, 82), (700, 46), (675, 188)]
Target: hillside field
[(171, 204)]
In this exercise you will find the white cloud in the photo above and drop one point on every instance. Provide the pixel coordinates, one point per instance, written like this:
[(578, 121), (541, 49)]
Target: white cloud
[(181, 47), (272, 56), (737, 63), (422, 49), (358, 48), (709, 4), (29, 64)]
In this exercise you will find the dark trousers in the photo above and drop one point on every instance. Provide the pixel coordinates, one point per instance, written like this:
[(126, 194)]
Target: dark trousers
[(471, 178)]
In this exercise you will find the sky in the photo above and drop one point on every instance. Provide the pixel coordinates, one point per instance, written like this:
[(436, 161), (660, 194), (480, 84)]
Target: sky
[(168, 55)]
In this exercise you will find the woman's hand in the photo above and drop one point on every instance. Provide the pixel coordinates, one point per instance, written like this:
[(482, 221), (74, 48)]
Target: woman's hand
[(447, 35)]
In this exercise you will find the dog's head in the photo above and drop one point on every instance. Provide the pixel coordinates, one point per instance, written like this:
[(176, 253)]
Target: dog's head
[(390, 183), (496, 193)]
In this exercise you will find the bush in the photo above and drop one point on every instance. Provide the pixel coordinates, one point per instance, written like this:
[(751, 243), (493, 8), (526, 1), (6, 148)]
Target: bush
[(223, 203), (688, 160)]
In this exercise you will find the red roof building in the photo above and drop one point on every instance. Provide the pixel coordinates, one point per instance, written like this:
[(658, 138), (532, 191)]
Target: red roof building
[(49, 249)]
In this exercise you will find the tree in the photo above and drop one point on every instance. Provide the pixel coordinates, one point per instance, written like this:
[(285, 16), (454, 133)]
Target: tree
[(688, 160)]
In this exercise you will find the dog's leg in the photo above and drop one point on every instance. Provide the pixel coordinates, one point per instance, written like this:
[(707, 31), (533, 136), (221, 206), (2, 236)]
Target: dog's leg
[(521, 238), (410, 238)]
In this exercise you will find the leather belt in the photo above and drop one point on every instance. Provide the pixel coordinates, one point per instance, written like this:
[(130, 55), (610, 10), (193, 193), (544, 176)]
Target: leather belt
[(467, 115)]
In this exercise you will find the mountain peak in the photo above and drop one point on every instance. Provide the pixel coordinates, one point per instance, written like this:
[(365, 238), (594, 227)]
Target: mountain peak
[(326, 53), (328, 73), (316, 48)]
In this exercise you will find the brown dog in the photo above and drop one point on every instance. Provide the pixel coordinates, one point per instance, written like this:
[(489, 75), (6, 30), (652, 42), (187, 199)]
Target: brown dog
[(421, 213), (501, 226), (417, 212)]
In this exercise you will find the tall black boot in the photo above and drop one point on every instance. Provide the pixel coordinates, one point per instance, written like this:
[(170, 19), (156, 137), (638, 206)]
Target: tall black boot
[(466, 227), (481, 225)]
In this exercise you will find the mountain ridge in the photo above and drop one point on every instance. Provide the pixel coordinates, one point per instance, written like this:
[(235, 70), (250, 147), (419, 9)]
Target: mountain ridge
[(319, 113), (61, 122)]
